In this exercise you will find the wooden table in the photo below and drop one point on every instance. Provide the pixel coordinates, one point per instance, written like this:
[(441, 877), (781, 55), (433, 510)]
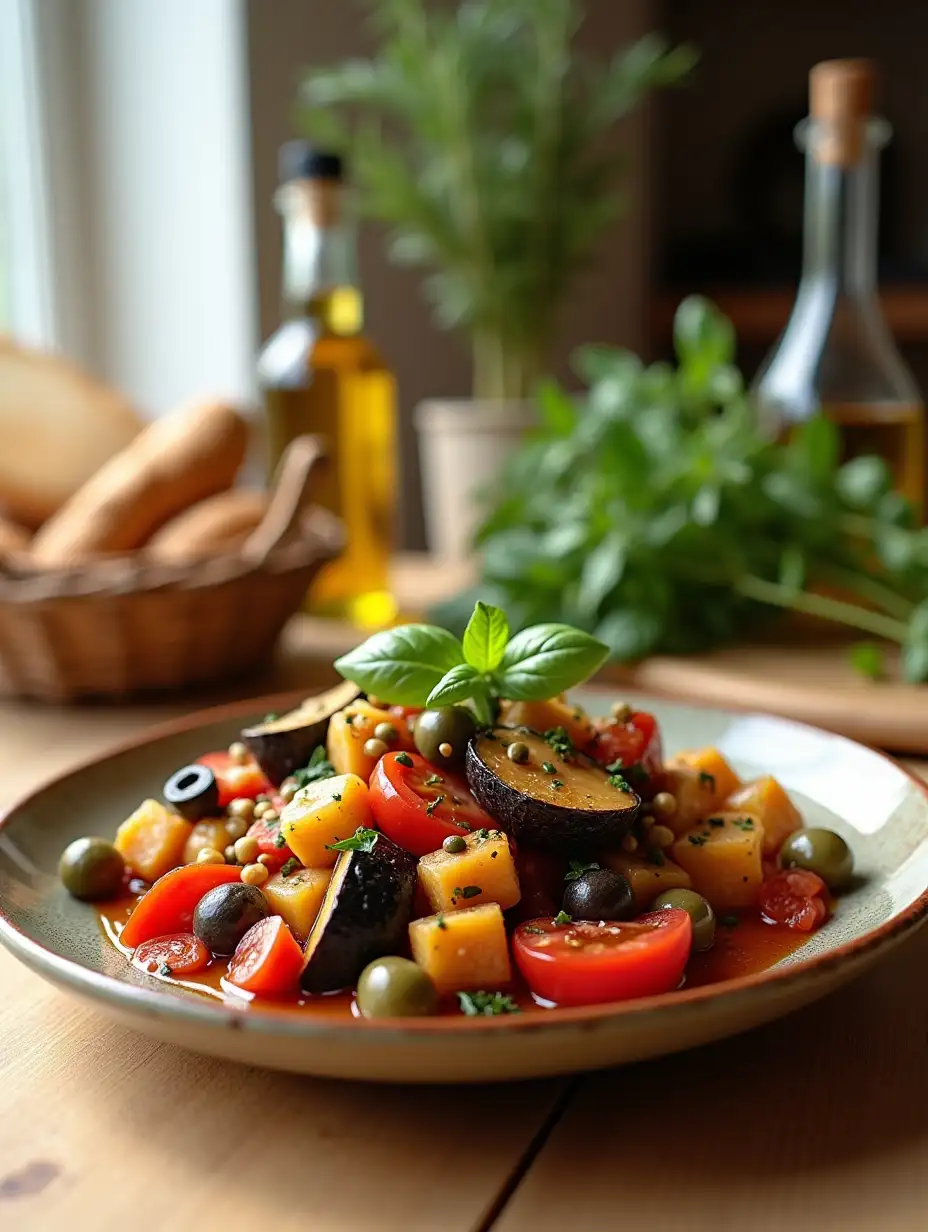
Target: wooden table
[(818, 1122)]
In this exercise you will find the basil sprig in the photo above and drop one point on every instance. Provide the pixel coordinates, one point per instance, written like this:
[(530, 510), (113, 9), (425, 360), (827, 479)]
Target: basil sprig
[(423, 665)]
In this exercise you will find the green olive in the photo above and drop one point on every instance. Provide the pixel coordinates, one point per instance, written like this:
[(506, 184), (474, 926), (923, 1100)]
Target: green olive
[(92, 868), (395, 988), (697, 908), (447, 725), (819, 851)]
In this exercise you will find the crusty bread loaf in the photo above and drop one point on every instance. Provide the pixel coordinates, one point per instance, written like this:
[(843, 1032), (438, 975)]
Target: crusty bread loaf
[(179, 459), (57, 426), (218, 524)]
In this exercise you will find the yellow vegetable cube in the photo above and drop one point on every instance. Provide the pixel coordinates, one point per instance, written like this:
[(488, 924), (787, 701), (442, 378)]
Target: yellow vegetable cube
[(323, 813), (297, 898), (543, 716), (484, 872), (723, 858), (351, 728), (648, 875), (767, 800), (717, 775), (152, 840), (205, 834), (467, 949)]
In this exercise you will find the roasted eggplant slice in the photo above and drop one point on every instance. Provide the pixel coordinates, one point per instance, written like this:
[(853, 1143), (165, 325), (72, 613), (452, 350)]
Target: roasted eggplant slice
[(365, 915), (546, 794), (286, 743)]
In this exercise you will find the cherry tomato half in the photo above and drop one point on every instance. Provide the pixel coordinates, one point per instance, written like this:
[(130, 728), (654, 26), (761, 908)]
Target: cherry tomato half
[(237, 779), (267, 959), (267, 836), (176, 954), (636, 742), (419, 806), (587, 964), (794, 897)]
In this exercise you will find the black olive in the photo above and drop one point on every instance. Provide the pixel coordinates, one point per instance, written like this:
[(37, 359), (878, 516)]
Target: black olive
[(599, 895), (193, 792), (225, 914), (447, 725)]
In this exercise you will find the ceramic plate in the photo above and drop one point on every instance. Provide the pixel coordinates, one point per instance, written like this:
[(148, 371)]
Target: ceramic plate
[(878, 806)]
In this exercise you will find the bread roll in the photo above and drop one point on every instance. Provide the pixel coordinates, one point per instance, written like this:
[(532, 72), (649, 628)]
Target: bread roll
[(218, 524), (178, 460), (57, 427)]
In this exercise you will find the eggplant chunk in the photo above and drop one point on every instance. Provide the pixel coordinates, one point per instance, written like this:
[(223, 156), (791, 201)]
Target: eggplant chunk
[(365, 915), (283, 745), (553, 797)]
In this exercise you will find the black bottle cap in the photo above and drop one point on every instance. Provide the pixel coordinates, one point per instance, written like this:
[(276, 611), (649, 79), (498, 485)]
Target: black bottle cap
[(298, 160)]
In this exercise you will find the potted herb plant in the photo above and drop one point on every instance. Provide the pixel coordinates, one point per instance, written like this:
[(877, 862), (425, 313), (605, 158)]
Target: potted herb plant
[(477, 135)]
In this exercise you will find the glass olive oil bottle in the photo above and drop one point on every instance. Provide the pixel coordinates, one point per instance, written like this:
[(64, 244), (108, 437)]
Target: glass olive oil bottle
[(319, 374), (836, 353)]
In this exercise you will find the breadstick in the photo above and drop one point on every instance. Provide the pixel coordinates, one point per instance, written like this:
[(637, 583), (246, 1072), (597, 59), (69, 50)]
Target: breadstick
[(178, 460), (217, 524)]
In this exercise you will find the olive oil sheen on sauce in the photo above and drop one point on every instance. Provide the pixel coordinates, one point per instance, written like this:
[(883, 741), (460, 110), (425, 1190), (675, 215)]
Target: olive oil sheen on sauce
[(320, 375)]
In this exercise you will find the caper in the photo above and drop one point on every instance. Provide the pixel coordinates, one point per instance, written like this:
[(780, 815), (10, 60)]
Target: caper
[(375, 748), (385, 732), (395, 988), (454, 844), (442, 735), (239, 753), (664, 803), (242, 807), (517, 752), (819, 851), (697, 908), (92, 868)]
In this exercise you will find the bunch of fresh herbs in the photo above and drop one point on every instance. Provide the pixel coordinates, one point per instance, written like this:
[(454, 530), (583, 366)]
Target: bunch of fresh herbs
[(658, 513), (480, 133)]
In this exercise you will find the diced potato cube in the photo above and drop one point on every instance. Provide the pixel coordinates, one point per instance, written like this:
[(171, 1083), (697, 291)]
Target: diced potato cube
[(723, 858), (543, 716), (767, 800), (350, 728), (648, 875), (695, 795), (206, 834), (323, 813), (297, 898), (484, 872), (715, 773), (467, 949), (152, 840)]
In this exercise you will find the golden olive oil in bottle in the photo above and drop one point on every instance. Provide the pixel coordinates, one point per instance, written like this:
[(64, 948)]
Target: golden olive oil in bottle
[(319, 374)]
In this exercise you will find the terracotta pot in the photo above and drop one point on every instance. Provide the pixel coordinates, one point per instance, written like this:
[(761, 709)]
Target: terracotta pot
[(463, 446)]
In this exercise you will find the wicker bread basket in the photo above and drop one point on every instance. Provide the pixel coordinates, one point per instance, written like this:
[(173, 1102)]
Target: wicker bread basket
[(124, 626)]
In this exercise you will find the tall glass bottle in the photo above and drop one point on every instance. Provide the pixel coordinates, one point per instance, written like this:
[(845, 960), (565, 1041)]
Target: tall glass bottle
[(836, 353), (320, 374)]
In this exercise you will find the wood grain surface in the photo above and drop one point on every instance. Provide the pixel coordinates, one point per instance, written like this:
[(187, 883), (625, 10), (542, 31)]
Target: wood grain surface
[(815, 1123)]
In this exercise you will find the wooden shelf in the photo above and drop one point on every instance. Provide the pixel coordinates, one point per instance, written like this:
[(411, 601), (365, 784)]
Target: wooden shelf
[(758, 314)]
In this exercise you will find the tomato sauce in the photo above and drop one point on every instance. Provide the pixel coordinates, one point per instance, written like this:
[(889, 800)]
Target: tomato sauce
[(743, 948)]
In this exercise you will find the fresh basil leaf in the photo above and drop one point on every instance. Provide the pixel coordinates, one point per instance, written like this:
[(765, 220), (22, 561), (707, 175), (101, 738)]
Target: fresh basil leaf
[(457, 685), (402, 665), (547, 659), (485, 637)]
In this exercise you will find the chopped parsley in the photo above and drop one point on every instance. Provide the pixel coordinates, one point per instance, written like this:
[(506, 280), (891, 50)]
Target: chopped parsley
[(619, 782), (707, 780), (363, 839), (468, 891), (486, 1004), (433, 804), (337, 797), (578, 868), (290, 867), (563, 918), (318, 767), (717, 822), (744, 823), (533, 928), (483, 832), (729, 921), (655, 857), (279, 840), (433, 780), (549, 767), (461, 825), (636, 773), (557, 784), (440, 922), (698, 840), (403, 759), (164, 969), (561, 744)]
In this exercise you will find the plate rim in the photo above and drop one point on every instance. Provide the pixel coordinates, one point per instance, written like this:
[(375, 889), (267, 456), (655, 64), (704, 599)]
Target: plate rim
[(212, 1013)]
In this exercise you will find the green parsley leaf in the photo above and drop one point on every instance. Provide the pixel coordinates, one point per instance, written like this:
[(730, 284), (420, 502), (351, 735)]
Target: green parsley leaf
[(363, 839), (619, 782), (403, 759), (486, 1004), (561, 744), (440, 922), (318, 767), (279, 840), (433, 780), (717, 822), (563, 918), (557, 784), (698, 840), (548, 767), (707, 780), (433, 805), (290, 867), (578, 868)]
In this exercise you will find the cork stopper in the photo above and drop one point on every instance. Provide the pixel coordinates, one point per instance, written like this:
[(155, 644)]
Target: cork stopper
[(841, 94)]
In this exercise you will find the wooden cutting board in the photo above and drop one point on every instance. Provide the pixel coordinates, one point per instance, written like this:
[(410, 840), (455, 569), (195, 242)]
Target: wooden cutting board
[(812, 682)]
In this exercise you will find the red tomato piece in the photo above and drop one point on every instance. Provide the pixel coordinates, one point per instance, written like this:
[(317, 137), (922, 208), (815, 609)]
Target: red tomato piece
[(183, 953), (586, 964), (266, 836), (267, 959), (237, 779), (417, 813), (169, 905), (794, 897), (634, 743)]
